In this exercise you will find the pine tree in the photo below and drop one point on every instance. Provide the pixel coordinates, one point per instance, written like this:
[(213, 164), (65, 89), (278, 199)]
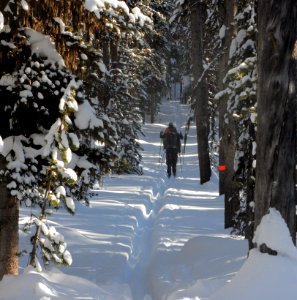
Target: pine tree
[(61, 132), (238, 121)]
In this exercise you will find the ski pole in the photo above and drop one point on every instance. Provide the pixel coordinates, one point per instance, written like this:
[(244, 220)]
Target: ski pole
[(180, 161), (162, 158), (160, 150)]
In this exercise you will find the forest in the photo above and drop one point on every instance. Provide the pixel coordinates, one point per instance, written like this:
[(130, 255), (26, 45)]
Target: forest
[(79, 81)]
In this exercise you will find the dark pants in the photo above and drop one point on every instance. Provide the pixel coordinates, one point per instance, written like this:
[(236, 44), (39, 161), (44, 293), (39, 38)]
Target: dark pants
[(171, 161)]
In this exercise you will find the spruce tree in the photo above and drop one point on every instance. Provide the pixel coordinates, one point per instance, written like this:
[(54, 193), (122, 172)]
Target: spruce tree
[(61, 132)]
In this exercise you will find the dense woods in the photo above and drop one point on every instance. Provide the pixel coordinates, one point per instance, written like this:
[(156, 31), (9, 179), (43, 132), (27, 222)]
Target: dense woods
[(78, 79)]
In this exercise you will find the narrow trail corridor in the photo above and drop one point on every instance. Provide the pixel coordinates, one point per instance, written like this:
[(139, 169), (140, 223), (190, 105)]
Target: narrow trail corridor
[(155, 216), (147, 237)]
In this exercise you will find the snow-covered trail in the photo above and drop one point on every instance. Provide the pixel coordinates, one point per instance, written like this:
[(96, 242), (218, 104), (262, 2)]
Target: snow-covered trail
[(142, 219), (181, 206), (152, 238), (142, 236)]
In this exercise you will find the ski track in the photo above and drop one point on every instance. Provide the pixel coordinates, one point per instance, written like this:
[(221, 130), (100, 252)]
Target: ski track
[(153, 217), (155, 203)]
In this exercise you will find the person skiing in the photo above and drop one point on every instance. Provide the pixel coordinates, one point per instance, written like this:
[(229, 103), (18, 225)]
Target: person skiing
[(172, 145)]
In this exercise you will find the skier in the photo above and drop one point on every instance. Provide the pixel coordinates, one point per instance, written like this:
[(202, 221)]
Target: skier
[(172, 145)]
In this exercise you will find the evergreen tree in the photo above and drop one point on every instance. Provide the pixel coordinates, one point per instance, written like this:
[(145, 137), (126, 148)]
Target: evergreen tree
[(63, 123), (238, 124)]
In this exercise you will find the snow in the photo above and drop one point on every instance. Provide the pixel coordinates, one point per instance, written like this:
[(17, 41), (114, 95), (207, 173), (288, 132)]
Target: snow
[(25, 5), (10, 45), (222, 31), (140, 17), (1, 21), (102, 67), (265, 276), (41, 45), (153, 238), (13, 144), (74, 140), (70, 203), (67, 100), (67, 257), (26, 94), (98, 6), (237, 42), (84, 56), (85, 117), (241, 35), (1, 144), (275, 234), (93, 6), (69, 174), (233, 48), (61, 23), (60, 191), (49, 138), (7, 80)]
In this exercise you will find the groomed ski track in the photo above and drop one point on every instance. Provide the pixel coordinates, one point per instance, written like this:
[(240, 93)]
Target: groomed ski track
[(152, 216)]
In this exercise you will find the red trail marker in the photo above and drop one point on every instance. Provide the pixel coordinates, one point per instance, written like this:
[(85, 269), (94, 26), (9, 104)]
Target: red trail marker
[(222, 168)]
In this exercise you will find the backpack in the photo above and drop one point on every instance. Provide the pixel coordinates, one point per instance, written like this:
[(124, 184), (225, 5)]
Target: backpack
[(170, 139)]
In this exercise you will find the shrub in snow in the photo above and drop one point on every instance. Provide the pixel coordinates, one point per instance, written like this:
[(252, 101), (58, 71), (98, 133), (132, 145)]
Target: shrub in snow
[(51, 243)]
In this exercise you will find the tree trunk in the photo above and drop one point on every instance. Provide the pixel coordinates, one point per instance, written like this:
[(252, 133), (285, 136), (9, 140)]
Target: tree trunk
[(250, 191), (227, 131), (228, 11), (276, 133), (200, 94), (9, 216), (114, 53), (106, 52), (231, 199)]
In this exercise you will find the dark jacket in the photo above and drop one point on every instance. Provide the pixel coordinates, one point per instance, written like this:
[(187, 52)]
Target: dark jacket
[(171, 139)]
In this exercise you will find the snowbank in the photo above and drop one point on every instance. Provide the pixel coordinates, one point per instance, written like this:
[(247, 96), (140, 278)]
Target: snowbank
[(52, 284), (264, 276)]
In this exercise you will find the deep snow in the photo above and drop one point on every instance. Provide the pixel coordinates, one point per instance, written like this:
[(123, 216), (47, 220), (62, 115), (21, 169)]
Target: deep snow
[(152, 238)]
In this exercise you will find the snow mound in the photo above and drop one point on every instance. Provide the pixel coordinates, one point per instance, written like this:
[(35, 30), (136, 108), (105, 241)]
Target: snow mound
[(274, 232), (212, 261), (55, 284), (265, 276)]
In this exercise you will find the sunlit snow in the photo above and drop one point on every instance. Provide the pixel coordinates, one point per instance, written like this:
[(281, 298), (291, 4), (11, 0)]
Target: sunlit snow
[(1, 21), (42, 46), (153, 238)]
